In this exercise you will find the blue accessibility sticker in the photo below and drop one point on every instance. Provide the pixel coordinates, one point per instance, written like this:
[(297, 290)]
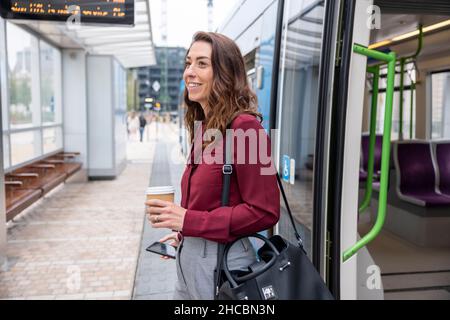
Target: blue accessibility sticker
[(286, 168)]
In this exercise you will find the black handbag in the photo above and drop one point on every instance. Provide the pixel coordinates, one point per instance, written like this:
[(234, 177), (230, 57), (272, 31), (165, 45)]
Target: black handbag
[(283, 271)]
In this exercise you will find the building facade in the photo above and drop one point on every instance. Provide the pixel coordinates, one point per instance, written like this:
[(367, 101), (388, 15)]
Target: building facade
[(152, 82)]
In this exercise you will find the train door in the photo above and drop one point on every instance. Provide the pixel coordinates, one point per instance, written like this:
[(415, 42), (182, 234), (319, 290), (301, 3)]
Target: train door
[(398, 246), (302, 119), (318, 117), (4, 157), (317, 143), (345, 146)]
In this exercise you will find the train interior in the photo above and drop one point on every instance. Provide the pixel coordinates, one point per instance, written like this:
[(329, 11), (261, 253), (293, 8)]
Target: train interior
[(413, 249)]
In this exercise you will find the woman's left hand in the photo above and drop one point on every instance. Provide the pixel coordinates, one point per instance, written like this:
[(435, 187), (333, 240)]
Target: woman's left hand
[(164, 214)]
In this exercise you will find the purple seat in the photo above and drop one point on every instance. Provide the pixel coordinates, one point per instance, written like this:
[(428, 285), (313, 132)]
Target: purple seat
[(377, 152), (442, 156), (416, 176), (362, 175), (365, 157), (376, 185)]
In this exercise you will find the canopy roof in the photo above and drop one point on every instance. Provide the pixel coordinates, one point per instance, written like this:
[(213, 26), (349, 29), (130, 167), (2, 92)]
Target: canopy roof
[(132, 46)]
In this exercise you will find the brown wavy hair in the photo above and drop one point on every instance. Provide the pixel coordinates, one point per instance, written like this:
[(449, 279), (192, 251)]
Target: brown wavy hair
[(230, 93)]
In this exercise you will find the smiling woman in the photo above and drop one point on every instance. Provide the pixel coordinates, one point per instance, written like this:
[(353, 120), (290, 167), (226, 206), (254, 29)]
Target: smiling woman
[(199, 73), (217, 94), (216, 77)]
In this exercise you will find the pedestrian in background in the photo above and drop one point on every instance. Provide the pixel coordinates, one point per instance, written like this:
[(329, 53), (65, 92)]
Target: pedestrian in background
[(142, 124), (133, 124)]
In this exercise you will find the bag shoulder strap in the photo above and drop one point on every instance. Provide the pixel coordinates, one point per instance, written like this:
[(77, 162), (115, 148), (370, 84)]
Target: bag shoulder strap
[(297, 235), (227, 170)]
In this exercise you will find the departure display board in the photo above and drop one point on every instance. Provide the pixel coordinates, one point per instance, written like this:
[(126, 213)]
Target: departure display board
[(86, 11)]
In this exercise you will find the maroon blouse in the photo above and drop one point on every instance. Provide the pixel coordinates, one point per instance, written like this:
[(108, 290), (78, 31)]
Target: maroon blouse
[(254, 197)]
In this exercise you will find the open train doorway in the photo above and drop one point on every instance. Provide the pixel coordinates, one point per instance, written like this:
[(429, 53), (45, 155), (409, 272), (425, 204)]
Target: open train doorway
[(412, 251)]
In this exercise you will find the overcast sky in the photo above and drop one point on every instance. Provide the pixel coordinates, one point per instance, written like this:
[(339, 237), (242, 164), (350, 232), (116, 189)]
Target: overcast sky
[(185, 17)]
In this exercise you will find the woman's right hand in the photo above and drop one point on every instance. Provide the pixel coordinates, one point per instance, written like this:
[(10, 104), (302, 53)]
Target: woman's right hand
[(171, 236), (175, 242)]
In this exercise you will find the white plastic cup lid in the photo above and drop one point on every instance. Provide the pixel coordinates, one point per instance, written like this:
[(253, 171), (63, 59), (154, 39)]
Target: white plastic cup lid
[(160, 190)]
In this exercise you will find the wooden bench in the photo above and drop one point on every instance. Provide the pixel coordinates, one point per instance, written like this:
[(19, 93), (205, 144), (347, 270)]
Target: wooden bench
[(19, 197), (27, 184), (69, 168)]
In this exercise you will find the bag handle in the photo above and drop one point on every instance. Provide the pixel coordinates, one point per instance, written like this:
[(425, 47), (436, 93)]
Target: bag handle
[(233, 280)]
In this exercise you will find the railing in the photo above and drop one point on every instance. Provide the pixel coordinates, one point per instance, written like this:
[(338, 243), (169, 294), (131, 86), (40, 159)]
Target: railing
[(390, 59), (373, 121)]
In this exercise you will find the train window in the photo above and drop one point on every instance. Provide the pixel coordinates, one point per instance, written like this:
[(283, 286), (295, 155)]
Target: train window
[(408, 81), (297, 112), (440, 105), (396, 116)]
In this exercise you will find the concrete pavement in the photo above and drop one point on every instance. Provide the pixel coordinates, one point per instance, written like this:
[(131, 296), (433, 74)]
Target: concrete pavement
[(87, 240)]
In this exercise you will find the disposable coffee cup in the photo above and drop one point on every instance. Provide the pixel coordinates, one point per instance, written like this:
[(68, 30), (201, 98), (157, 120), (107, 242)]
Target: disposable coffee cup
[(166, 193)]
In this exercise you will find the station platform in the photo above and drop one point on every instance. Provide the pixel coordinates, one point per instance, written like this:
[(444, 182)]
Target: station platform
[(87, 240)]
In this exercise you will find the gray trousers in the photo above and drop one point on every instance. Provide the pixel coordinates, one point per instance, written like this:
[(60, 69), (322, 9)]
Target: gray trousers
[(196, 261)]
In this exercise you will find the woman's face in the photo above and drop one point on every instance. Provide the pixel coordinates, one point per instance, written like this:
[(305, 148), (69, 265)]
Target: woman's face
[(198, 74)]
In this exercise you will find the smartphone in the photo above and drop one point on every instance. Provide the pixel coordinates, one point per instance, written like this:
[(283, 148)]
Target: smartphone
[(163, 249)]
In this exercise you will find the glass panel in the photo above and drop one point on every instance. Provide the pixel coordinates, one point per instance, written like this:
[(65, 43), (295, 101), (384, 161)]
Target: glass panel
[(23, 74), (396, 115), (409, 76), (3, 72), (6, 163), (120, 115), (52, 139), (299, 94), (440, 105), (50, 83), (25, 146)]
